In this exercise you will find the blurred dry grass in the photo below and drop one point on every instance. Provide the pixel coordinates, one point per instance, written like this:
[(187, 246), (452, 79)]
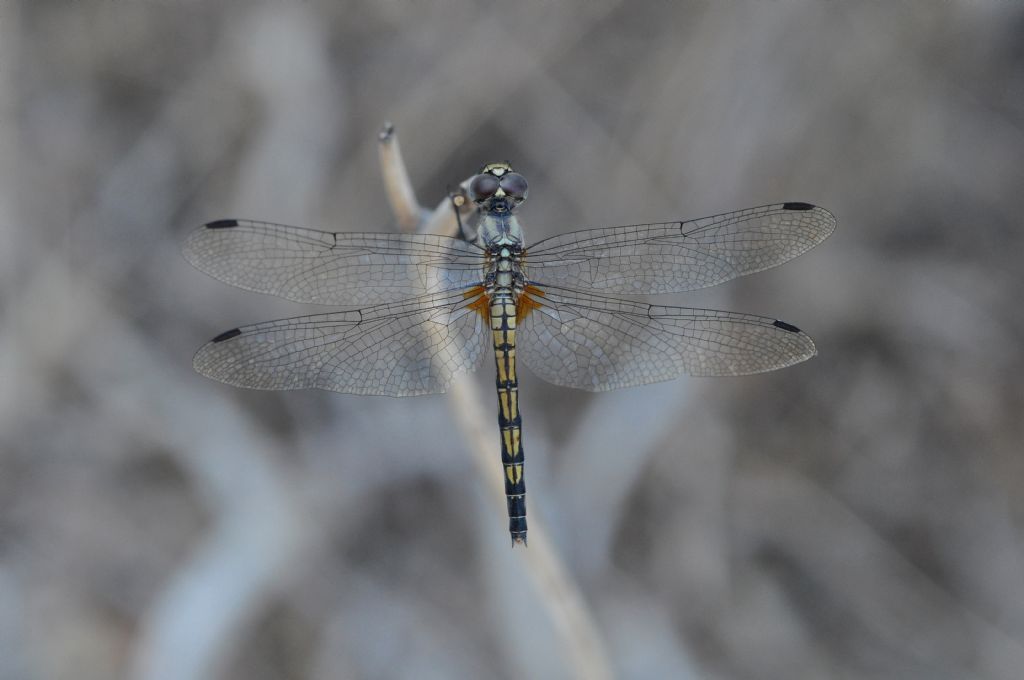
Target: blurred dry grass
[(857, 516)]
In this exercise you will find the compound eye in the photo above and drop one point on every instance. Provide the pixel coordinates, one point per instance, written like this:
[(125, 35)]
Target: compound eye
[(514, 185), (483, 187)]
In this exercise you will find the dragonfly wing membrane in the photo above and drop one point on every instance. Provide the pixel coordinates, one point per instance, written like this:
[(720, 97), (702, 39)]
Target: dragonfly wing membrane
[(401, 349), (673, 257), (321, 267), (596, 343)]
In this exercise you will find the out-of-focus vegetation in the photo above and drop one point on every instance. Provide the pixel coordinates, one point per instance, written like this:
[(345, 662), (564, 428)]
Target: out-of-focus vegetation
[(856, 516)]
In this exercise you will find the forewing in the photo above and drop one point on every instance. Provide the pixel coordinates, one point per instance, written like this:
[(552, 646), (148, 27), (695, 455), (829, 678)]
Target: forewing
[(321, 267), (598, 343), (672, 257), (397, 350)]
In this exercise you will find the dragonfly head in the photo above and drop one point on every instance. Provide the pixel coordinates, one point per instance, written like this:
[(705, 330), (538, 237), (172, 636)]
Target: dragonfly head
[(498, 189)]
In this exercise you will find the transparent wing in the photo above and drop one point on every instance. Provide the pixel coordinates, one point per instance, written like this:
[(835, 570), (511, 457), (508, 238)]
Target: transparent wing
[(598, 343), (397, 350), (673, 257), (321, 267)]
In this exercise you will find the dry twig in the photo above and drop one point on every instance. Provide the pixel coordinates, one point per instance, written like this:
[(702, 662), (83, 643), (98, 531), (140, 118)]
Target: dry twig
[(557, 590)]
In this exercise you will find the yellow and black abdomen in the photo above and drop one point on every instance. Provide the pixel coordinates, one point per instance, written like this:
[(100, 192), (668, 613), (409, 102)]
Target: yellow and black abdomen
[(503, 330)]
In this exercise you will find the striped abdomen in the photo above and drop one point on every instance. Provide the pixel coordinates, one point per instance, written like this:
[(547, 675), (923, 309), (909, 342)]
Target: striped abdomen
[(503, 330)]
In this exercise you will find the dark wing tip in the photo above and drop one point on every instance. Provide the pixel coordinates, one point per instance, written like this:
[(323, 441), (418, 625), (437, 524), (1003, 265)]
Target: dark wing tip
[(797, 205), (227, 335), (778, 324), (222, 224)]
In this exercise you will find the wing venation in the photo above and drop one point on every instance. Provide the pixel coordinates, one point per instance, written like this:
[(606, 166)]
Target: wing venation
[(673, 257), (597, 343), (328, 268), (399, 349)]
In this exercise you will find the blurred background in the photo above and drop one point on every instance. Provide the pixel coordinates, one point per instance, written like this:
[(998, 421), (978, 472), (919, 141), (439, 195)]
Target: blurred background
[(856, 516)]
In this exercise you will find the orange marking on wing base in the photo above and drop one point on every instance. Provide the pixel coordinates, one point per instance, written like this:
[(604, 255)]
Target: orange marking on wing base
[(526, 304), (481, 305)]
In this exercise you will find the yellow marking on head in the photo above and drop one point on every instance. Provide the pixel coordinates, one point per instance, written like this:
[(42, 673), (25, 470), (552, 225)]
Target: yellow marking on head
[(496, 168)]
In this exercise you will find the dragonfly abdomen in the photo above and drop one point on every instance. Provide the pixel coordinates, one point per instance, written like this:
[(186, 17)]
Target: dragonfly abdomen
[(503, 331)]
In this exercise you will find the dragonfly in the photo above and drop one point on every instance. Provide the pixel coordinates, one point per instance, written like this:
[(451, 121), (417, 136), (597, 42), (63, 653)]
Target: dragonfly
[(421, 309)]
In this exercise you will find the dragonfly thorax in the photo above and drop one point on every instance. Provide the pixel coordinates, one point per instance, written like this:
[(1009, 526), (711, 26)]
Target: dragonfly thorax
[(504, 269), (495, 232)]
